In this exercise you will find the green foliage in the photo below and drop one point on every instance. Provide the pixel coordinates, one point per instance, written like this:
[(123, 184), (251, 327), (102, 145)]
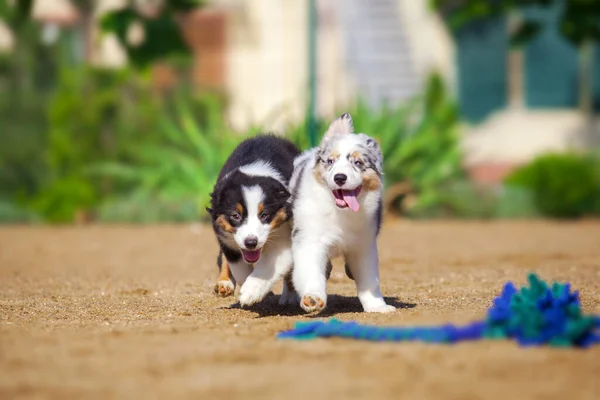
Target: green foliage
[(181, 167), (515, 202), (11, 213), (22, 138), (162, 36), (427, 155), (59, 202), (17, 14), (298, 133), (140, 208), (563, 185), (578, 20), (119, 111), (464, 199)]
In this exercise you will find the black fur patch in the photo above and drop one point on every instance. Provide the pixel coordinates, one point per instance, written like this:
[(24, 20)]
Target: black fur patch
[(232, 255)]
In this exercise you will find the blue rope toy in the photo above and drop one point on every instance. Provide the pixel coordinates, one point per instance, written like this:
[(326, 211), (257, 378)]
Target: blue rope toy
[(534, 315)]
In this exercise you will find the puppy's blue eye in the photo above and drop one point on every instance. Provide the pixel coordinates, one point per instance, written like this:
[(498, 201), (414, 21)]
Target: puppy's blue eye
[(359, 163), (235, 217), (330, 161), (264, 216)]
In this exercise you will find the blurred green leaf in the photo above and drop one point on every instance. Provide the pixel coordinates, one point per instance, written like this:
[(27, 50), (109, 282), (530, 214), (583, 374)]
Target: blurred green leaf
[(524, 33), (578, 19), (563, 185), (181, 167), (161, 34)]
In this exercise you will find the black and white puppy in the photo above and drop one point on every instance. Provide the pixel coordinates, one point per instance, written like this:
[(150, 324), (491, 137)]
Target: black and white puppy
[(337, 207), (251, 214)]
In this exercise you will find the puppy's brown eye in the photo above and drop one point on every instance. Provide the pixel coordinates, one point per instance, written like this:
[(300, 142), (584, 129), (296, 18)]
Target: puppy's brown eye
[(330, 161), (359, 163), (236, 217), (264, 216)]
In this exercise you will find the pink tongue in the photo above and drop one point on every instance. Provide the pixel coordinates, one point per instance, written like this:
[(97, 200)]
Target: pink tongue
[(350, 199), (251, 256)]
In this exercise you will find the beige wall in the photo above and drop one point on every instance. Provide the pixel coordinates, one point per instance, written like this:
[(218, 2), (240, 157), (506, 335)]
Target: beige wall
[(265, 58), (267, 53), (268, 65), (430, 42)]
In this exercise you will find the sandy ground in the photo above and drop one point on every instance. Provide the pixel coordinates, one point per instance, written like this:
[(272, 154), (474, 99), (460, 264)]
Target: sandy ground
[(128, 312)]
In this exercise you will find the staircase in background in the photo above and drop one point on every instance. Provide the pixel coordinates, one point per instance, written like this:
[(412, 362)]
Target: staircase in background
[(377, 51)]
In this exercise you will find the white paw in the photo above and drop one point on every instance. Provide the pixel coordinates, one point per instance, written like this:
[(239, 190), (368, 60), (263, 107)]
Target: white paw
[(288, 297), (224, 288), (312, 302), (386, 308), (253, 291)]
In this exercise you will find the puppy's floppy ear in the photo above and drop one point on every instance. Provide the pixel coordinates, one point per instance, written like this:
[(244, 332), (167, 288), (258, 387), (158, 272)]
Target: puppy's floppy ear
[(374, 153), (283, 194), (343, 124)]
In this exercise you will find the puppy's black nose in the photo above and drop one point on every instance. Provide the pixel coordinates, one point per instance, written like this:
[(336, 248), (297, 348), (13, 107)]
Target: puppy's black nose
[(340, 179), (250, 242)]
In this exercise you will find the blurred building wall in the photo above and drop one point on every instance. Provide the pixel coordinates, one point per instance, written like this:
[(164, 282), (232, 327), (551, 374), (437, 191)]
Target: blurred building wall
[(518, 103), (430, 42), (266, 62), (256, 50), (381, 50)]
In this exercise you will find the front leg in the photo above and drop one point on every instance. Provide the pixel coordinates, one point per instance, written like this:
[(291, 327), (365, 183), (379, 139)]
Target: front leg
[(363, 262), (240, 270), (225, 285), (272, 266), (309, 274)]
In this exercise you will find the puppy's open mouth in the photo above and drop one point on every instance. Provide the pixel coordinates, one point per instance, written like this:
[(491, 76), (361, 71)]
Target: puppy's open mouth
[(347, 198), (251, 256)]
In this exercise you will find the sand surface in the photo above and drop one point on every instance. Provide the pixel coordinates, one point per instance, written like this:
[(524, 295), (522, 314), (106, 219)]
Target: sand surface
[(128, 312)]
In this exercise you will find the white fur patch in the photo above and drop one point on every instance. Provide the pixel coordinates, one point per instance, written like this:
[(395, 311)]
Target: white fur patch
[(262, 168), (252, 225)]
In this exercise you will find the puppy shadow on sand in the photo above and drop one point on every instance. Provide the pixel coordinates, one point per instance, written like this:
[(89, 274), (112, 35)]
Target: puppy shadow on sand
[(336, 304)]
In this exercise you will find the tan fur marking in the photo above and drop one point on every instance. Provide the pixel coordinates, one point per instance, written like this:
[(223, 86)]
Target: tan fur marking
[(318, 176), (221, 288), (225, 273), (279, 218), (239, 208), (261, 208), (224, 224), (335, 154), (355, 154), (370, 180)]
